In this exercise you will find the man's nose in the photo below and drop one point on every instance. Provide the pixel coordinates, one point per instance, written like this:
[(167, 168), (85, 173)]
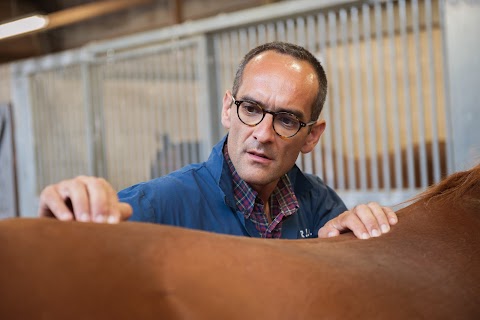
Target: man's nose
[(263, 131)]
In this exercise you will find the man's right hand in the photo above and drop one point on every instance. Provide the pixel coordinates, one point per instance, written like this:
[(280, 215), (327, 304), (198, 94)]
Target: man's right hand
[(84, 199)]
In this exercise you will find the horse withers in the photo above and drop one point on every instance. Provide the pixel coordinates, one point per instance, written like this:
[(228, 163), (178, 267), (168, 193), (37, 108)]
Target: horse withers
[(427, 266)]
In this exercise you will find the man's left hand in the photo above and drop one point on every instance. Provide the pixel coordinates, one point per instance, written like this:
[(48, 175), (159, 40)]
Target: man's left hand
[(365, 221)]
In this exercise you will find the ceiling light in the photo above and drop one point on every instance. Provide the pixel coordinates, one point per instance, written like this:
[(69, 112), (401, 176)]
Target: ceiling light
[(22, 25)]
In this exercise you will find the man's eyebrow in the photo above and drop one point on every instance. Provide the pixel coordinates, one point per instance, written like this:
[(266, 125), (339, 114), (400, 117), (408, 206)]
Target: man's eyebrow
[(296, 113)]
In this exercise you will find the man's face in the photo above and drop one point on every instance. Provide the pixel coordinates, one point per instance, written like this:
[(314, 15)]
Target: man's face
[(277, 82)]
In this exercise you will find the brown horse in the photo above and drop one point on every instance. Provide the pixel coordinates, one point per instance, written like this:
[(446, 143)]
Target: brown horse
[(427, 266)]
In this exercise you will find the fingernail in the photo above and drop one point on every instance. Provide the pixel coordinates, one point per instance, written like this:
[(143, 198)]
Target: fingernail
[(332, 234), (393, 220), (64, 216), (365, 235), (84, 217), (375, 233), (385, 228), (99, 219), (112, 219)]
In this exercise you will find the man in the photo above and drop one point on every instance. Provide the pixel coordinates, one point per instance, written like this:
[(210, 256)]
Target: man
[(249, 185)]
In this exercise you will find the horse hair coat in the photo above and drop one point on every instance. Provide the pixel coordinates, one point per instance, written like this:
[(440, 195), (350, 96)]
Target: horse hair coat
[(427, 266)]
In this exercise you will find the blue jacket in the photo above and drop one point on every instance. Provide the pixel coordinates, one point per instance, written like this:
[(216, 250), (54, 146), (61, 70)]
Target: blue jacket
[(200, 196)]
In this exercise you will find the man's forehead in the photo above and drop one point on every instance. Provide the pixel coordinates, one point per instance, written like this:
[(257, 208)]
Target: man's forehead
[(279, 61)]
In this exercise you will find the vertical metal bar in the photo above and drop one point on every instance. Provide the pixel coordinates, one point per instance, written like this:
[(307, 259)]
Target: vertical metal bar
[(337, 112), (433, 96), (301, 31), (252, 38), (301, 40), (37, 135), (372, 132), (138, 77), (262, 33), (217, 61), (327, 136), (99, 89), (446, 110), (181, 110), (206, 93), (225, 51), (238, 41), (162, 111), (271, 34), (189, 107), (382, 110), (177, 131), (347, 105), (394, 88), (360, 136), (89, 119), (315, 155), (112, 108), (124, 104), (306, 34), (291, 30), (281, 33), (407, 97), (48, 132), (150, 148), (419, 91)]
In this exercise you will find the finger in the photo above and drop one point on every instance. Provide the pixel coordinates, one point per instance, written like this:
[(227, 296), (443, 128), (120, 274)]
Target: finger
[(76, 191), (53, 204), (331, 229), (392, 216), (380, 215), (125, 210), (118, 211), (368, 219), (99, 198), (353, 222), (348, 220), (328, 231)]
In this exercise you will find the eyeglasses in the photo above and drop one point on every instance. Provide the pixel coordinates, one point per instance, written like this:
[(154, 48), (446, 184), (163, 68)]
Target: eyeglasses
[(285, 124)]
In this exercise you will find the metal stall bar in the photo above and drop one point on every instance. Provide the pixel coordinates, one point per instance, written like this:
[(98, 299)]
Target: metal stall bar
[(433, 97), (337, 112), (419, 91), (372, 132), (395, 112), (407, 96), (381, 103), (358, 111), (301, 34), (347, 103), (316, 154), (326, 143)]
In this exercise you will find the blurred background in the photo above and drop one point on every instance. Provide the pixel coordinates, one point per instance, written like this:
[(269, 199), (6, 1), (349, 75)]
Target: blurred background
[(132, 90)]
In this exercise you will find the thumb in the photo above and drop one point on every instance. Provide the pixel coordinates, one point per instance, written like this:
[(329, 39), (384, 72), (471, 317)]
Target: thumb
[(328, 231), (333, 227), (125, 210)]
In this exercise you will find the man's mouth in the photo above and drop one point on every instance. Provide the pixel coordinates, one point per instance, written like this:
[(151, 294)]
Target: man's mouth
[(259, 154)]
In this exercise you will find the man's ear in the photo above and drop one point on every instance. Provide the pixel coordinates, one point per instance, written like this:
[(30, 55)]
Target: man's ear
[(314, 135), (226, 109)]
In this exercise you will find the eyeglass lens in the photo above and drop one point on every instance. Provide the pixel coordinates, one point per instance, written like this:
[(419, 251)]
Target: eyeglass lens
[(285, 124)]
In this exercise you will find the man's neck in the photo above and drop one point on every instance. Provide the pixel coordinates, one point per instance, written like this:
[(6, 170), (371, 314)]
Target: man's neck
[(264, 192)]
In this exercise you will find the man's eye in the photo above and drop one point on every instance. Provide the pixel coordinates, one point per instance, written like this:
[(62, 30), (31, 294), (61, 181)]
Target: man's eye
[(251, 108), (287, 121)]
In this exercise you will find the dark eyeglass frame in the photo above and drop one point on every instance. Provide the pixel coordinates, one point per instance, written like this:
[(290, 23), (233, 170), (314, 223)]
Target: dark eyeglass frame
[(274, 114)]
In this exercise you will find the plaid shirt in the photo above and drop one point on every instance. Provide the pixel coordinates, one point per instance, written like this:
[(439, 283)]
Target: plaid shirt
[(283, 202)]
